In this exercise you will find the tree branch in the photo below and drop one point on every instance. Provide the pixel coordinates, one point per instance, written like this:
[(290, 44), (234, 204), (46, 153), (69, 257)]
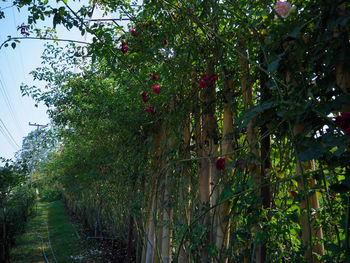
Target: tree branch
[(38, 38)]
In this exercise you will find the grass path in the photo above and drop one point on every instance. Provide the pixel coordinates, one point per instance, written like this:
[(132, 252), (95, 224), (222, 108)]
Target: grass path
[(50, 223)]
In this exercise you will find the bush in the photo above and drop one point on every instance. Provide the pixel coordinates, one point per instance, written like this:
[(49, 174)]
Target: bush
[(17, 205), (50, 194)]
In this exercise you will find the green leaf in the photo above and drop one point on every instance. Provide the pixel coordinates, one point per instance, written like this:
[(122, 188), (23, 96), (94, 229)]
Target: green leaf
[(226, 194), (295, 32), (272, 67), (314, 151)]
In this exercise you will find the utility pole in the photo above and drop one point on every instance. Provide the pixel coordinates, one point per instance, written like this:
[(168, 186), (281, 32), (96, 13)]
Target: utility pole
[(36, 138)]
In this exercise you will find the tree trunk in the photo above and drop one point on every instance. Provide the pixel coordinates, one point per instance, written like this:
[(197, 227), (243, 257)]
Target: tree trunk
[(265, 154), (150, 245), (183, 257), (221, 221), (167, 213), (307, 227), (252, 137), (209, 144), (150, 238), (130, 254)]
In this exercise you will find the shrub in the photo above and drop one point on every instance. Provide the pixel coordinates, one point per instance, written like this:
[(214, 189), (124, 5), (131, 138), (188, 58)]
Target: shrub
[(50, 194)]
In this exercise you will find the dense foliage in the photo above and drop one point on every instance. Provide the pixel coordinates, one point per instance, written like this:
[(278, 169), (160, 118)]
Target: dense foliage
[(16, 204), (205, 130)]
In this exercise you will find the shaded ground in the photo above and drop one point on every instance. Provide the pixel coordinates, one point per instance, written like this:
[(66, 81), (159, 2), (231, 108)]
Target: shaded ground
[(68, 241)]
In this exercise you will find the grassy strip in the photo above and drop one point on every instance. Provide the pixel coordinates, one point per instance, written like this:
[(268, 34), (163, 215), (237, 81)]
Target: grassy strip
[(65, 243), (28, 245)]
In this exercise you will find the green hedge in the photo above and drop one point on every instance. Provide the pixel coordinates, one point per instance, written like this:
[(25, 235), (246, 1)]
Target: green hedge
[(15, 208)]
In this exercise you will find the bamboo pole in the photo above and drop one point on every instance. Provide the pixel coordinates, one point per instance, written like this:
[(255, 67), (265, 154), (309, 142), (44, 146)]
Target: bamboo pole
[(150, 245), (308, 228), (221, 222), (167, 213), (252, 137), (183, 257)]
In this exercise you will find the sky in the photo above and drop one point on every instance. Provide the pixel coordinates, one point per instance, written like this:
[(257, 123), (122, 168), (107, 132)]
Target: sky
[(16, 111), (15, 65)]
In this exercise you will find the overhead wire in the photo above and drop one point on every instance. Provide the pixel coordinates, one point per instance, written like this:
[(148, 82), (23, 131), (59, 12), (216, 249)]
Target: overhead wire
[(9, 135), (6, 7), (4, 89), (8, 139), (9, 104)]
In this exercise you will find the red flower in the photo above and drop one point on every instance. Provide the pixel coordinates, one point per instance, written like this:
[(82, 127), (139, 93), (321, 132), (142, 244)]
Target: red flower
[(213, 79), (211, 183), (55, 156), (124, 48), (220, 164), (164, 42), (24, 30), (343, 121), (133, 32), (156, 89), (293, 193), (334, 196), (155, 77), (61, 153), (101, 169), (150, 109), (144, 96), (202, 84), (203, 81), (347, 131)]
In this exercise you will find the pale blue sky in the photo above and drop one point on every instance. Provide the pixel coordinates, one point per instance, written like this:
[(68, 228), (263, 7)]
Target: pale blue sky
[(15, 64)]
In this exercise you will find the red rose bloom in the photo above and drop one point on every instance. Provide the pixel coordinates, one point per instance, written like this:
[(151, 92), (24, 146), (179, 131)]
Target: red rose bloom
[(124, 48), (133, 32), (293, 193), (347, 131), (213, 79), (144, 96), (101, 169), (220, 164), (156, 89), (343, 121), (155, 77), (164, 42), (202, 84), (203, 81), (55, 156), (150, 109)]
